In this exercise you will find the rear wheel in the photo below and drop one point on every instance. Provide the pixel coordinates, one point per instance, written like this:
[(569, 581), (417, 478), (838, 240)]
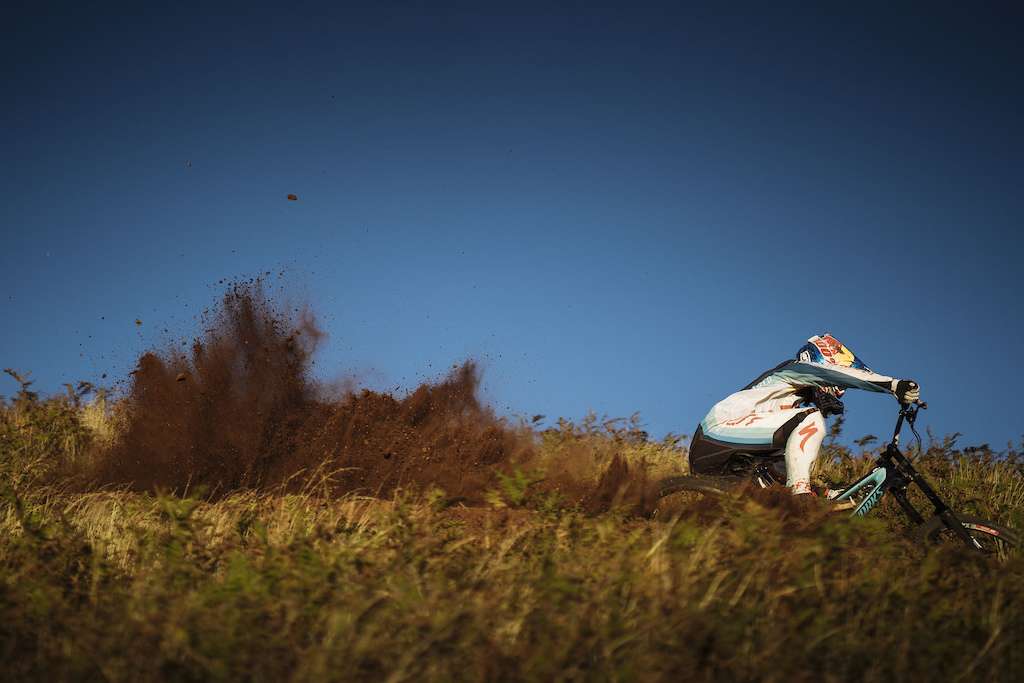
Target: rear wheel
[(991, 537), (693, 483)]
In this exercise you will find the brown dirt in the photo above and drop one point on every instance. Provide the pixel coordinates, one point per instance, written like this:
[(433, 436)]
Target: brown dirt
[(798, 514), (240, 412)]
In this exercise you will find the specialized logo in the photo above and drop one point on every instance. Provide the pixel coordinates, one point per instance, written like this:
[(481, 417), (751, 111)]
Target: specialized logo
[(744, 421), (869, 501), (807, 432)]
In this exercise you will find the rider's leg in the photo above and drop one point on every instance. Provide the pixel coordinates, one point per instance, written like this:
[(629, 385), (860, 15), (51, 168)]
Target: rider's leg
[(802, 450)]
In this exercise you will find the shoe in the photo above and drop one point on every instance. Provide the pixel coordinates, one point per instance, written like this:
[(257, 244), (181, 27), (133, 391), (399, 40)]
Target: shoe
[(830, 498), (831, 494)]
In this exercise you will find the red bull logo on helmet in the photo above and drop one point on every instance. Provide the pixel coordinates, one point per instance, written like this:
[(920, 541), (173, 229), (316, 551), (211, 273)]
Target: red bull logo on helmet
[(828, 349)]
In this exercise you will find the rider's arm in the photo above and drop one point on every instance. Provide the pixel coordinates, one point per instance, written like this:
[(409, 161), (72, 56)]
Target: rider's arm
[(813, 374), (818, 375)]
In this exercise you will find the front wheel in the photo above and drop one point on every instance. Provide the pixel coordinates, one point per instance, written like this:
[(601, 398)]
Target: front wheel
[(991, 538)]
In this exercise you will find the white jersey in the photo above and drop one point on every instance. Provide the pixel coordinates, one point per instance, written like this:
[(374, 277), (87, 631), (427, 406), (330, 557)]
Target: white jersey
[(781, 411)]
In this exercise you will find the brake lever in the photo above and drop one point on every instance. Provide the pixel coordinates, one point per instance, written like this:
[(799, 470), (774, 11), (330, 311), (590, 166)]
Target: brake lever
[(911, 413)]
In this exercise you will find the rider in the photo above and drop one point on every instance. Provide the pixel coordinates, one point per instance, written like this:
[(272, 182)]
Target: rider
[(786, 407)]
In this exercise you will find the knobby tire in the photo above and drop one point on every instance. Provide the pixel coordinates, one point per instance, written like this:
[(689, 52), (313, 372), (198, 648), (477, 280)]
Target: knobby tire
[(995, 539), (699, 484)]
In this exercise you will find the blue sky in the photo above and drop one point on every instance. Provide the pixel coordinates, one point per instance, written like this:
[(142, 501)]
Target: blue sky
[(612, 207)]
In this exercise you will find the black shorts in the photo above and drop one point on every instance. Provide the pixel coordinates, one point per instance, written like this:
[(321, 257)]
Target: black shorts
[(709, 455)]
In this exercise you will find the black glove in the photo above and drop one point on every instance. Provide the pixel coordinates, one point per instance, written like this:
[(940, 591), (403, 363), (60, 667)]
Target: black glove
[(906, 391)]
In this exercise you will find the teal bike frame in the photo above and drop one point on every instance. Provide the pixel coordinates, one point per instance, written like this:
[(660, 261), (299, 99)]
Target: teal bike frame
[(875, 482), (893, 474)]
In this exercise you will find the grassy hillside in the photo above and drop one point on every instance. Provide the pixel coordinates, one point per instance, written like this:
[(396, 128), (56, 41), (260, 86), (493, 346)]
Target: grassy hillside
[(552, 572), (228, 519)]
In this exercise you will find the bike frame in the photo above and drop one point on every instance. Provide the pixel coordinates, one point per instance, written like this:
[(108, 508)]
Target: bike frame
[(893, 474)]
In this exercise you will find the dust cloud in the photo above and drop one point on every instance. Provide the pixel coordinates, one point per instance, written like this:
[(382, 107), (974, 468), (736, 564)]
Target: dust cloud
[(240, 411)]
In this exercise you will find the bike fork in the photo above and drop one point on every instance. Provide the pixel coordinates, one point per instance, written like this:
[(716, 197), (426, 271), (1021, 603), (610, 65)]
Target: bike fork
[(941, 509), (947, 515), (954, 523)]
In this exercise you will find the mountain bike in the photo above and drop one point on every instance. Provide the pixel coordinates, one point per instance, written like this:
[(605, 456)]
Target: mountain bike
[(893, 474)]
